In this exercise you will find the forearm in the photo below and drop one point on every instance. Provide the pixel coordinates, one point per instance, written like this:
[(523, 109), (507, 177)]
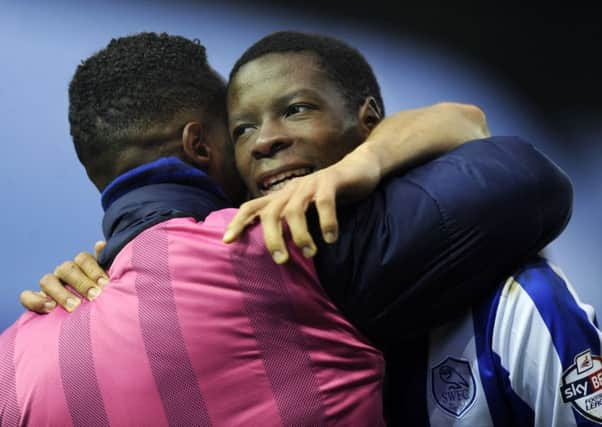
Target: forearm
[(407, 138), (396, 144), (448, 231)]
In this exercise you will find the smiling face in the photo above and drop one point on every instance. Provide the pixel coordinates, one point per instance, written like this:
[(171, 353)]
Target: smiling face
[(287, 119)]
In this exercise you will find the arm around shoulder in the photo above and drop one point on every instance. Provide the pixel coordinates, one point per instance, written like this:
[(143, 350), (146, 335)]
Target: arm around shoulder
[(430, 243)]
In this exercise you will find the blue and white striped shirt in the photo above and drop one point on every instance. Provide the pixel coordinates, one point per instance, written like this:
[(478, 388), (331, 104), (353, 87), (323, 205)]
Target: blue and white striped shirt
[(529, 355)]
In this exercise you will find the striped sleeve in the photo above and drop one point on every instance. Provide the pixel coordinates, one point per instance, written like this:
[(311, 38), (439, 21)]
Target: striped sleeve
[(548, 349)]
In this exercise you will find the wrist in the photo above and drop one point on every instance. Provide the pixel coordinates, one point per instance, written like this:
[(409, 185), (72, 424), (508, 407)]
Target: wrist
[(367, 161)]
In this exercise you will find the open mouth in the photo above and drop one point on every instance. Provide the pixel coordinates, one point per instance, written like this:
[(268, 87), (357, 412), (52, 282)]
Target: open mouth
[(279, 180)]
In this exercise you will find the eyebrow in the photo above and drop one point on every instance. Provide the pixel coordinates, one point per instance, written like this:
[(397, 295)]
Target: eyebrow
[(286, 99), (279, 102)]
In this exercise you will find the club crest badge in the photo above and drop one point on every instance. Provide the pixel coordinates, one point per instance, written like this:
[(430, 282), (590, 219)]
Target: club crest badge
[(453, 386), (582, 385)]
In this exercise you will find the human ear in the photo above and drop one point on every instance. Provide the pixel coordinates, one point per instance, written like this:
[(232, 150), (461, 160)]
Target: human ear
[(369, 114), (195, 147)]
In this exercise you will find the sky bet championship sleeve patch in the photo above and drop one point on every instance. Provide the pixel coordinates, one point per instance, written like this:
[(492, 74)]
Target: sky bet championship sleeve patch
[(453, 386), (582, 385)]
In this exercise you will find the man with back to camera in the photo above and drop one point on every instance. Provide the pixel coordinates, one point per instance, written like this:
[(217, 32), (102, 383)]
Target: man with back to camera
[(369, 211)]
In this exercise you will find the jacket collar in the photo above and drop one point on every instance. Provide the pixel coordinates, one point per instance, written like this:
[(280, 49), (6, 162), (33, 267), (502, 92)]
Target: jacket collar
[(153, 193)]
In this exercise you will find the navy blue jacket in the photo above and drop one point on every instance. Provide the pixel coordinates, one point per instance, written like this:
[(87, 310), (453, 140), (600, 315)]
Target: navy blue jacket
[(431, 242)]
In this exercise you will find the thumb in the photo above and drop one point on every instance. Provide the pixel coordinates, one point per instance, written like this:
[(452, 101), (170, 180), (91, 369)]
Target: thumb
[(98, 247)]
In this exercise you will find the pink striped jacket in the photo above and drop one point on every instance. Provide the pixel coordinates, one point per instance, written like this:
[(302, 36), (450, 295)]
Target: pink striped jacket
[(192, 331)]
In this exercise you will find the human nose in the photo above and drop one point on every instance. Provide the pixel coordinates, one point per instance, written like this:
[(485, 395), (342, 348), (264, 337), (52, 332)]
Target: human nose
[(272, 138)]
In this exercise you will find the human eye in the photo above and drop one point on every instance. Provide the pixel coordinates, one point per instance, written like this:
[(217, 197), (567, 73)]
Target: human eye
[(240, 130), (298, 108)]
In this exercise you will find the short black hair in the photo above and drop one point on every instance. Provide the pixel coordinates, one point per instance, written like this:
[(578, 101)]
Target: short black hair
[(137, 81), (343, 64)]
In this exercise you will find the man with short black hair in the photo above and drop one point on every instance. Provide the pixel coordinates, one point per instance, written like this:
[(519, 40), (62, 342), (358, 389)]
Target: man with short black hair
[(528, 353)]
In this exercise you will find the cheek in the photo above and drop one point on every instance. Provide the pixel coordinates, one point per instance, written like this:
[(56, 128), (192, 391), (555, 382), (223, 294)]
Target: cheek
[(332, 146), (243, 165), (240, 157)]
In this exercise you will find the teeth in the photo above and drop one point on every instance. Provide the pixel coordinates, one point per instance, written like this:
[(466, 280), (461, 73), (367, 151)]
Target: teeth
[(277, 181), (278, 185)]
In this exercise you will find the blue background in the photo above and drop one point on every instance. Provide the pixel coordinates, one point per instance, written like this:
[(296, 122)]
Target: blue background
[(50, 211)]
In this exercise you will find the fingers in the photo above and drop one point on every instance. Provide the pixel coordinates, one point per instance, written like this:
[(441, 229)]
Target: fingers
[(70, 272), (294, 214), (246, 215), (272, 234), (53, 287), (37, 302), (267, 209), (327, 214), (89, 266), (271, 222), (99, 247), (83, 275), (289, 204)]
